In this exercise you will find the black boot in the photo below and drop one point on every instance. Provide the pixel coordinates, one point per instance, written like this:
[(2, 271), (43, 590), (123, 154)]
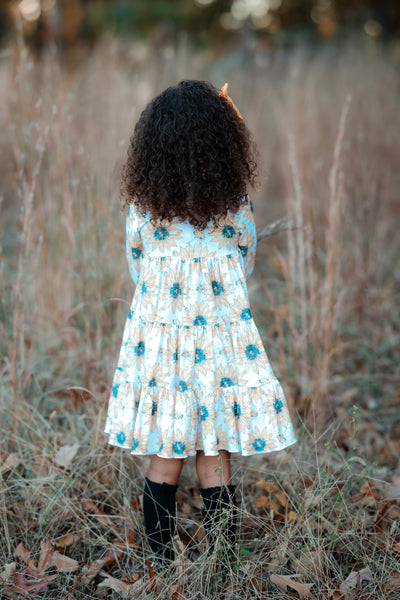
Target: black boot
[(159, 513), (220, 517)]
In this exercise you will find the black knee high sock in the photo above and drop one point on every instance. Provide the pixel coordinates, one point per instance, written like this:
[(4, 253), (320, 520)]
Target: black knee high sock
[(159, 513), (219, 513)]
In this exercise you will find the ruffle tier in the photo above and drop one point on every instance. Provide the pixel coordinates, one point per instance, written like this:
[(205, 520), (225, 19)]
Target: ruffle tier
[(178, 389), (174, 424)]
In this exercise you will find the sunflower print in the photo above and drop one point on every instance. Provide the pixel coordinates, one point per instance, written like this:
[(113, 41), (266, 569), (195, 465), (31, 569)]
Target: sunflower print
[(174, 291), (202, 356), (226, 376), (200, 313), (241, 310), (191, 252), (192, 372), (224, 237), (217, 289), (221, 438), (248, 352), (154, 375), (149, 282), (206, 415), (163, 238)]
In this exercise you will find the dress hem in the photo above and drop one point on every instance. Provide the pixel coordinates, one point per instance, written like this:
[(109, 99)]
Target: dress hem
[(266, 451)]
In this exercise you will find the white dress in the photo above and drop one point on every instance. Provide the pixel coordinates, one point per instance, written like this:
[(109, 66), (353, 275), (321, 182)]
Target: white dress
[(192, 372)]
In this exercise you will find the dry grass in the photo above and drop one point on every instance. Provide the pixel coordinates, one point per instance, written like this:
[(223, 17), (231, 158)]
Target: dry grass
[(322, 295)]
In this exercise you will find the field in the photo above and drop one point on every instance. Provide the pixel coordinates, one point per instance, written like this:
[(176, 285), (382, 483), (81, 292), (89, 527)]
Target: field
[(319, 520)]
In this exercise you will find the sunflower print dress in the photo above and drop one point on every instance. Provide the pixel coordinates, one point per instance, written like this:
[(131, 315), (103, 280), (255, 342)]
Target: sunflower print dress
[(192, 372)]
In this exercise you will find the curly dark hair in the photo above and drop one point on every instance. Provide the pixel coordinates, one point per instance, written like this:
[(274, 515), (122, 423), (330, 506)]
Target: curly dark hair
[(190, 156)]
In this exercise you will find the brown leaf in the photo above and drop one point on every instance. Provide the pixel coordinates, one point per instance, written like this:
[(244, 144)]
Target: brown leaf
[(284, 581), (354, 581), (11, 461), (25, 555), (267, 486), (281, 497), (46, 550), (117, 585), (66, 454), (291, 516), (393, 582), (67, 540), (8, 572), (26, 586), (269, 503), (96, 565), (63, 563)]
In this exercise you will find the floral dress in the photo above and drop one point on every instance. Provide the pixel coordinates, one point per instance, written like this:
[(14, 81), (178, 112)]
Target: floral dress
[(192, 372)]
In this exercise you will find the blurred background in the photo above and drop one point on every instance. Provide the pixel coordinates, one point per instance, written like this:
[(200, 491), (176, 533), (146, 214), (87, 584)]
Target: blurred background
[(219, 24)]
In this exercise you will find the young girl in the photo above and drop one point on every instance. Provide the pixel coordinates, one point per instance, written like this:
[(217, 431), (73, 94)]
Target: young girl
[(193, 378)]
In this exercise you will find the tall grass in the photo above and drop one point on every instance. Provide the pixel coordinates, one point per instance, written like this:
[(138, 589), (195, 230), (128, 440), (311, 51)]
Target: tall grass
[(322, 295)]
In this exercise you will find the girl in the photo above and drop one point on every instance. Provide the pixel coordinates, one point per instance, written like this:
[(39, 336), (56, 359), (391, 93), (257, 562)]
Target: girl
[(193, 378)]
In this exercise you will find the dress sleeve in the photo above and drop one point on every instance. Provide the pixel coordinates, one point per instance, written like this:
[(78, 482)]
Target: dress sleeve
[(134, 244), (247, 236)]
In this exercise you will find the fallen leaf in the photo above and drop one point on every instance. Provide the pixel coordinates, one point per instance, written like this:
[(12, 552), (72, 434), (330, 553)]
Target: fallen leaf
[(285, 581), (117, 585), (63, 563), (281, 497), (25, 555), (267, 486), (393, 582), (291, 516), (67, 540), (46, 551), (26, 586), (90, 571), (8, 572), (265, 502), (354, 581), (11, 461), (66, 454)]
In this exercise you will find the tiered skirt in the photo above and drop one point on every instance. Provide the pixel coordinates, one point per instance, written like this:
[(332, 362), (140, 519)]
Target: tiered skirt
[(182, 388)]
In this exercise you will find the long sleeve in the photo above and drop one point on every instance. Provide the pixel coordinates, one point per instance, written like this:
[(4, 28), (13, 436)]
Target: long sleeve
[(247, 236), (134, 245)]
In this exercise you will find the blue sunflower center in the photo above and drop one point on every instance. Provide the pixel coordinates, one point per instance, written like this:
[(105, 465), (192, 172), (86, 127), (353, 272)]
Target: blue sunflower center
[(175, 290), (203, 413), (217, 288), (228, 231), (259, 444), (178, 447), (252, 351), (161, 233), (139, 349), (199, 355), (226, 382), (199, 320), (245, 314), (136, 253), (278, 405)]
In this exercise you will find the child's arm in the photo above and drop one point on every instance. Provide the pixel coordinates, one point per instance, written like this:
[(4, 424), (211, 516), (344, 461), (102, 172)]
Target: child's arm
[(247, 236), (134, 245)]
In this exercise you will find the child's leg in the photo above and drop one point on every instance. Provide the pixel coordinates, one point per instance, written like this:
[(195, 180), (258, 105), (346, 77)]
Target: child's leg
[(218, 494), (213, 470), (165, 470), (159, 509)]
